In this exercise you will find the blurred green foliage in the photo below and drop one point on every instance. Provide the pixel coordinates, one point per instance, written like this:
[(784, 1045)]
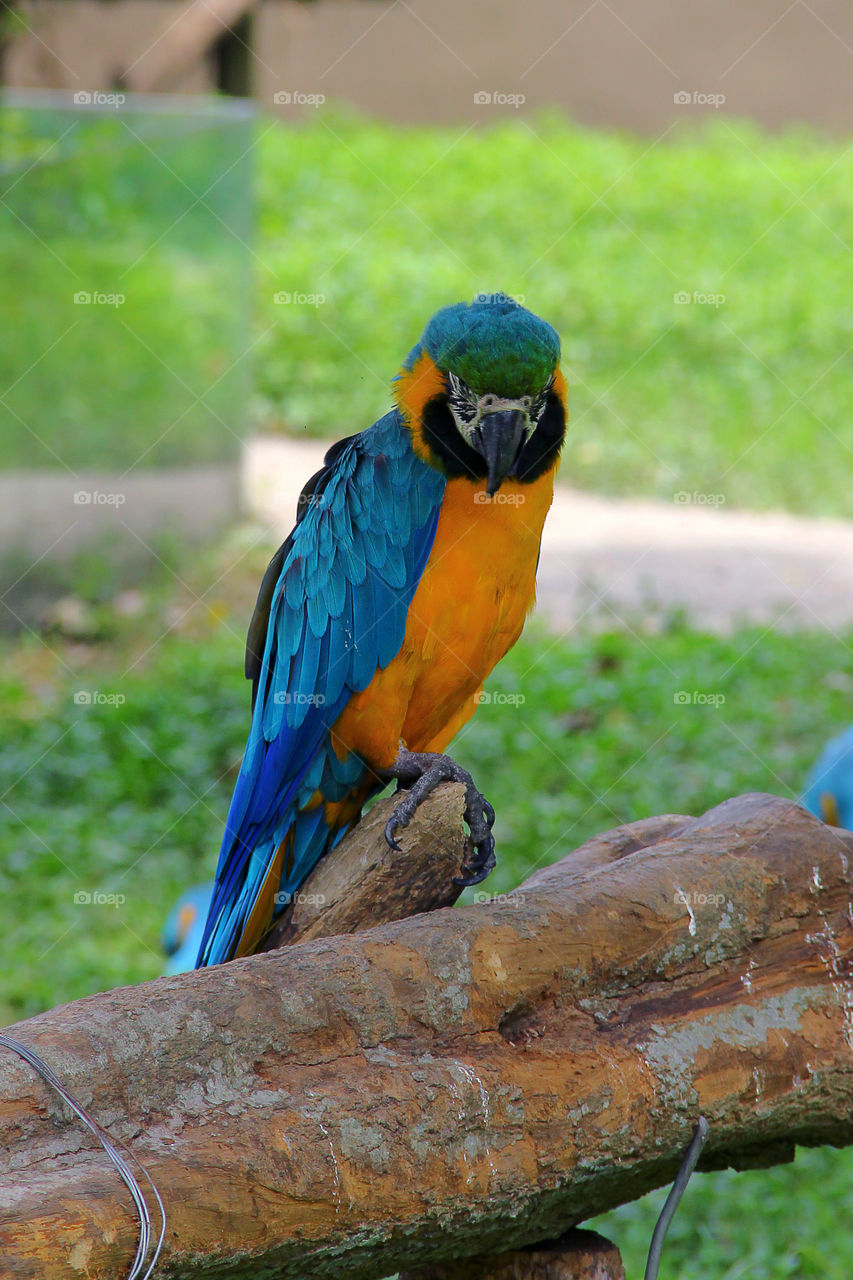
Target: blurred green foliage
[(786, 1223), (366, 228), (598, 232), (147, 215)]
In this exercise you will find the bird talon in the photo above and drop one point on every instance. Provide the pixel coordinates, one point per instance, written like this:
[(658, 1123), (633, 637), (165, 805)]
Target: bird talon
[(390, 827), (481, 865)]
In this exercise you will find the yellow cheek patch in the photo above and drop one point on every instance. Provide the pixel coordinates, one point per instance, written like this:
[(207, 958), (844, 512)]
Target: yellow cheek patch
[(412, 390), (562, 388)]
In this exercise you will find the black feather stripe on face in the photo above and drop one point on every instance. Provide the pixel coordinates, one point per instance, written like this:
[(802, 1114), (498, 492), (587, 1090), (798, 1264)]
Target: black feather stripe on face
[(453, 453), (540, 452), (457, 458)]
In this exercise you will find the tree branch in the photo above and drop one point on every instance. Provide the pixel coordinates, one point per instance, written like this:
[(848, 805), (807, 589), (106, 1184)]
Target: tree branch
[(462, 1083), (366, 883)]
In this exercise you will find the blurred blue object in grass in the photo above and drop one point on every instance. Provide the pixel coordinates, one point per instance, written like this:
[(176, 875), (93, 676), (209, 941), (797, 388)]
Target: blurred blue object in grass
[(182, 931), (829, 791)]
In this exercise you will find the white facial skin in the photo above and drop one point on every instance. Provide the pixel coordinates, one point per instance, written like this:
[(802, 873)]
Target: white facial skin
[(468, 409)]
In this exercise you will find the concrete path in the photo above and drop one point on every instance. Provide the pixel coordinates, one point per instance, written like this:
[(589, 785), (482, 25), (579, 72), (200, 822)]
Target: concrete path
[(610, 558)]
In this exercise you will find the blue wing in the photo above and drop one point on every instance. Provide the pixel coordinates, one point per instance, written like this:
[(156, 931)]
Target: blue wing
[(331, 609)]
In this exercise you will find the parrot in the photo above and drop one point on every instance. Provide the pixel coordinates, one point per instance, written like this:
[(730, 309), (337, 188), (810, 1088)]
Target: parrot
[(183, 928), (829, 789), (408, 575)]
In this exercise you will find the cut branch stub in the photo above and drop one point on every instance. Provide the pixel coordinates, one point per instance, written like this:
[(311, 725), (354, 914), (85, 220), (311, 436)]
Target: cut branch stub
[(365, 883)]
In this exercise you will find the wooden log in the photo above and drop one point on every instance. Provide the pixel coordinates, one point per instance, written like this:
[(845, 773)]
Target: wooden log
[(366, 883), (460, 1083), (577, 1255)]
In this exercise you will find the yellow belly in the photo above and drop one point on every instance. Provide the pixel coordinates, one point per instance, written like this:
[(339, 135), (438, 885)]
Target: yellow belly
[(475, 593)]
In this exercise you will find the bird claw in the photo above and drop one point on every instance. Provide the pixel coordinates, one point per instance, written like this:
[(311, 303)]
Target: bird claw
[(424, 772), (475, 871), (390, 827)]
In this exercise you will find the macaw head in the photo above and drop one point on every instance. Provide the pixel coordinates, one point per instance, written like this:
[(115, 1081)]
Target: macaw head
[(482, 392)]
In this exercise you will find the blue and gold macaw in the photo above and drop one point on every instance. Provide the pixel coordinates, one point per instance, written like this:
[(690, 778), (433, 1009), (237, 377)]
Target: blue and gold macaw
[(408, 575), (829, 790)]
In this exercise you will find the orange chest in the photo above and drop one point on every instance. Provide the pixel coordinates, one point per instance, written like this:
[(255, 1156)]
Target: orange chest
[(480, 579), (474, 594)]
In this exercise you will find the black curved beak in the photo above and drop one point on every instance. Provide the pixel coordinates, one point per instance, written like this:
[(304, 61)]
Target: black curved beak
[(499, 436)]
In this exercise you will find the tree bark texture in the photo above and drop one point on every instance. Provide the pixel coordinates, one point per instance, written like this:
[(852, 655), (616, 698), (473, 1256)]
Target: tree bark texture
[(463, 1083)]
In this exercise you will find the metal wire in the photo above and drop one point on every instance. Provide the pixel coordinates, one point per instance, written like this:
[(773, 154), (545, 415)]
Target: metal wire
[(688, 1164), (125, 1172)]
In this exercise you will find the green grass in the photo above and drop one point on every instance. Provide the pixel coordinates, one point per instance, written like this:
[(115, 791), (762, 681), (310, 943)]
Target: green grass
[(598, 232), (786, 1223), (129, 798)]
